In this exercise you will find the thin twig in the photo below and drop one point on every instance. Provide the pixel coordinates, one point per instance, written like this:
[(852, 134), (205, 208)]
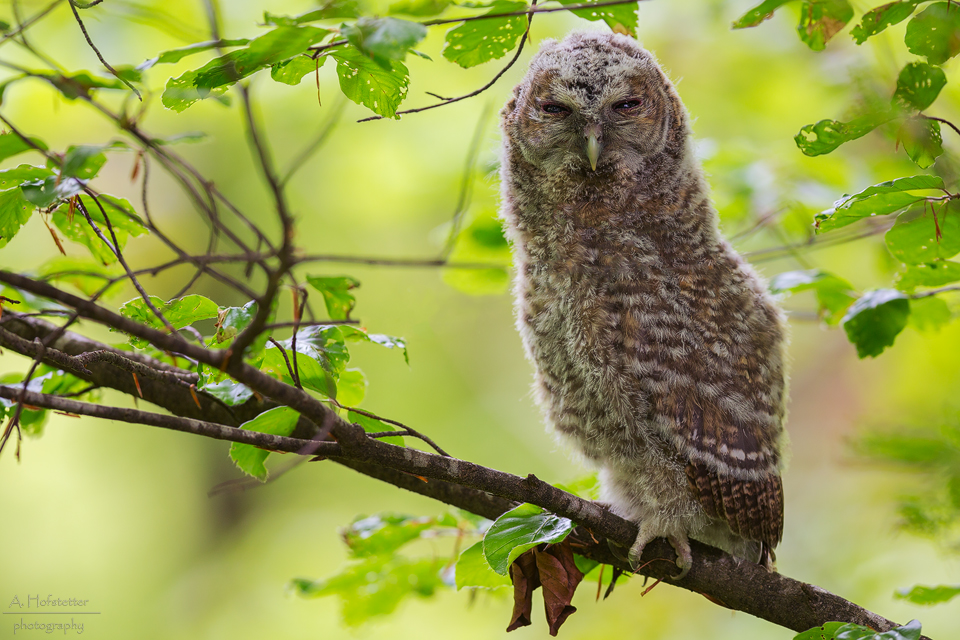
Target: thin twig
[(466, 182), (106, 64), (283, 352), (513, 61)]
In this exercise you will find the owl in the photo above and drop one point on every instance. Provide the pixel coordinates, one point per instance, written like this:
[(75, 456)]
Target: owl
[(659, 353)]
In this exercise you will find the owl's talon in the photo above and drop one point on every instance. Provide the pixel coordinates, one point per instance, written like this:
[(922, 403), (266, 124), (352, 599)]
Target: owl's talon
[(681, 545)]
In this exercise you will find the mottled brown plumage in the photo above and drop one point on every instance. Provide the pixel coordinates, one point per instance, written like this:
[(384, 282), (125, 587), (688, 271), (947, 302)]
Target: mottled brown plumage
[(659, 353)]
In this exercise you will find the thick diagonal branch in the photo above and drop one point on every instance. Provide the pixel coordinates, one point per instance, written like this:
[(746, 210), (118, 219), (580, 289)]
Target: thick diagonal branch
[(736, 584)]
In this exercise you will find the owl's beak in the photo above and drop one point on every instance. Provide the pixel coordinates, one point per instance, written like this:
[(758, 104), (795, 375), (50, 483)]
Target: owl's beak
[(592, 133)]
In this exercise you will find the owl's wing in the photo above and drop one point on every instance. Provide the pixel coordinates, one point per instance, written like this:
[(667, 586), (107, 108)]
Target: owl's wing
[(732, 467)]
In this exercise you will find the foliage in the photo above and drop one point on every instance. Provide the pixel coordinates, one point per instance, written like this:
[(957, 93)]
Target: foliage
[(848, 631)]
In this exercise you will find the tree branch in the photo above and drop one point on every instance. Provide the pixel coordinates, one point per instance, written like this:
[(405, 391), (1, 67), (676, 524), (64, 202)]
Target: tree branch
[(734, 583)]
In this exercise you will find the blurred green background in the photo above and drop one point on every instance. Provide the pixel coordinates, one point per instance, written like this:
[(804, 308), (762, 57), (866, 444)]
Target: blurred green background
[(119, 514)]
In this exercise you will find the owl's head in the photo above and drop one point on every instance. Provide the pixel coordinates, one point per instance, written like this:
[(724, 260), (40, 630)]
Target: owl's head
[(594, 102)]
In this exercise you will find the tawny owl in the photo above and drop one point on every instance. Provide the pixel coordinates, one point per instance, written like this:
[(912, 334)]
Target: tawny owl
[(658, 351)]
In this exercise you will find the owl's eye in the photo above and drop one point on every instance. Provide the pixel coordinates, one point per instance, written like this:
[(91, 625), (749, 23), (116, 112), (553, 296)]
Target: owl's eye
[(626, 105), (554, 108)]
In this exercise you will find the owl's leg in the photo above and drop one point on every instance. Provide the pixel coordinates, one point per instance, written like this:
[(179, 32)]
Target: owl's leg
[(680, 544)]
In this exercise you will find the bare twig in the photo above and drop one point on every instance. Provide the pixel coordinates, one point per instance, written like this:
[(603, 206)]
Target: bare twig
[(106, 64)]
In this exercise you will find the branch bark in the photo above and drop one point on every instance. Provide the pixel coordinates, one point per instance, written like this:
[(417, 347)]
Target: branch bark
[(735, 584)]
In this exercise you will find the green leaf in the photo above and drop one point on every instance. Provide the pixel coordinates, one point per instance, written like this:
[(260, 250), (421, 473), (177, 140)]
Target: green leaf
[(279, 421), (125, 223), (11, 144), (351, 387), (211, 79), (372, 425), (929, 595), (180, 312), (763, 11), (919, 84), (420, 8), (336, 294), (383, 534), (23, 173), (480, 41), (518, 530), (875, 320), (84, 274), (229, 392), (330, 9), (820, 20), (876, 200), (620, 18), (921, 139), (929, 274), (375, 586), (232, 320), (14, 213), (914, 238), (935, 33), (292, 71), (355, 334), (384, 39), (43, 193), (369, 84), (825, 136), (587, 487), (176, 55), (83, 162), (879, 18), (929, 315), (473, 570), (849, 631), (834, 294), (80, 84)]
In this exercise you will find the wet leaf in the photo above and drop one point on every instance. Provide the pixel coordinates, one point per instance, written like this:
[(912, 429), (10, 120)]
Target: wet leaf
[(820, 20), (763, 11), (919, 84), (473, 571), (935, 33), (14, 213), (384, 39), (292, 71), (825, 136), (420, 8), (849, 631), (279, 421), (877, 200), (11, 144), (834, 294), (375, 586), (385, 533), (226, 390), (518, 530), (180, 312), (43, 193), (329, 10), (875, 320), (212, 79), (913, 239), (620, 18), (879, 18), (929, 315), (480, 41), (929, 595), (922, 141), (83, 162), (336, 294), (176, 55), (369, 84), (928, 274)]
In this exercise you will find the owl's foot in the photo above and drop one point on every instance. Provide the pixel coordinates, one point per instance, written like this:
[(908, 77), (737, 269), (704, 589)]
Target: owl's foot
[(679, 543)]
